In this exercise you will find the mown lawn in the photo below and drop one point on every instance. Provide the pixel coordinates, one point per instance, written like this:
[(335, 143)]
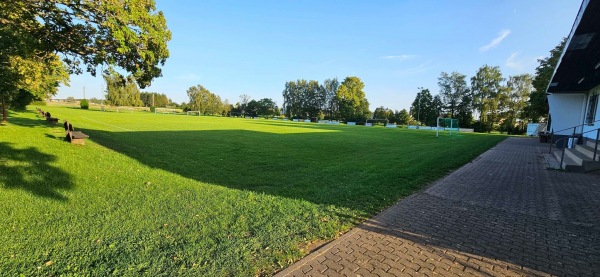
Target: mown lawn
[(161, 195)]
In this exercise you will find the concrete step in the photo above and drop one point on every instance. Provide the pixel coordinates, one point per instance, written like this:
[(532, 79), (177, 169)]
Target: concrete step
[(577, 159)]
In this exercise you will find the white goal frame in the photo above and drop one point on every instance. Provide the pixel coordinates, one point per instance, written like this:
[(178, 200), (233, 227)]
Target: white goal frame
[(437, 129), (119, 109), (165, 110), (193, 112)]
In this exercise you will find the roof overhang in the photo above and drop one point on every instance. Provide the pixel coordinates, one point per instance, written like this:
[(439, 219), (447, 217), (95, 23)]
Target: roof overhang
[(578, 69)]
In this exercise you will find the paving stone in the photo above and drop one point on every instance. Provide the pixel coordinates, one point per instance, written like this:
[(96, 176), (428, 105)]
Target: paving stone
[(501, 215)]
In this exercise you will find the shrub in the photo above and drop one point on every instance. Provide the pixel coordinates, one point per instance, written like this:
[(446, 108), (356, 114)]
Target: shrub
[(152, 109), (84, 104)]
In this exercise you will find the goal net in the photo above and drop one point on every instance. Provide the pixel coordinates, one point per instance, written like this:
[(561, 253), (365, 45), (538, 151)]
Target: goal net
[(446, 124)]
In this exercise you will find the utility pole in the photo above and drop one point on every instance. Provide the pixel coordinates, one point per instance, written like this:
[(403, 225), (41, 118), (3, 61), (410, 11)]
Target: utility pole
[(419, 110), (84, 92)]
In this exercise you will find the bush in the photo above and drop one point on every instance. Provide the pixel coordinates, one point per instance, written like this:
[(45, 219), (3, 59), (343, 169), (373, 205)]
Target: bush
[(152, 109), (84, 104)]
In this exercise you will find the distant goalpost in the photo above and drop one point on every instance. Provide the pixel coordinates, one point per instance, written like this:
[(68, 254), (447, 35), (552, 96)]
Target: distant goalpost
[(446, 124), (122, 109), (165, 110), (193, 113)]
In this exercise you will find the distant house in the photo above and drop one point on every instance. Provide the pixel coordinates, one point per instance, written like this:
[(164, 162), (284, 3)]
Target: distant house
[(574, 91), (575, 86)]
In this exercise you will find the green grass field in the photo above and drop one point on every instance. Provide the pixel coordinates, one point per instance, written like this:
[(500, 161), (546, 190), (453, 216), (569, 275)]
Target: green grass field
[(161, 195)]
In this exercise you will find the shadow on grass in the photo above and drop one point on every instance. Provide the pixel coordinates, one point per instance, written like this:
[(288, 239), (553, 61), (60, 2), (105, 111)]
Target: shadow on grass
[(30, 170), (15, 119), (358, 171)]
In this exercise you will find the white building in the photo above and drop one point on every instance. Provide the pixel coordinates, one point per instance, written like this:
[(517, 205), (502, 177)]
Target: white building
[(575, 86)]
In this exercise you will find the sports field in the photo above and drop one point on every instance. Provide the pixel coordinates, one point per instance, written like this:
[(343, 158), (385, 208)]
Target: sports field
[(161, 195)]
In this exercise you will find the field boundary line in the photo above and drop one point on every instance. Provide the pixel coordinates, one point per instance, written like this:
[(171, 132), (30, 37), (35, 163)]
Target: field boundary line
[(97, 121)]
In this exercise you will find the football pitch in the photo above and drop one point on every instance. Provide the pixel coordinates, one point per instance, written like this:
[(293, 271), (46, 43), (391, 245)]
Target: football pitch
[(163, 194)]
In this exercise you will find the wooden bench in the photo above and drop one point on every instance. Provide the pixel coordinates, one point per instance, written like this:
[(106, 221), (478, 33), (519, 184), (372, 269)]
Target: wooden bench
[(49, 118), (75, 137)]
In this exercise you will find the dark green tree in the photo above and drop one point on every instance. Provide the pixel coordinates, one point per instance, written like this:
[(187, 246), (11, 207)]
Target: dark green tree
[(454, 94), (424, 109), (538, 106), (403, 117)]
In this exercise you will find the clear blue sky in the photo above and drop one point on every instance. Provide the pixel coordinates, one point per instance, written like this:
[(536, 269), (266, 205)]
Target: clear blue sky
[(254, 47)]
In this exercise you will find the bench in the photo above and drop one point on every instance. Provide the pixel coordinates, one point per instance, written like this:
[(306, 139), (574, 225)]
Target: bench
[(75, 137), (49, 118)]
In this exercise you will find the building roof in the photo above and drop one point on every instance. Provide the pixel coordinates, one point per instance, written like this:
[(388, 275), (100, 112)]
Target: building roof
[(579, 66)]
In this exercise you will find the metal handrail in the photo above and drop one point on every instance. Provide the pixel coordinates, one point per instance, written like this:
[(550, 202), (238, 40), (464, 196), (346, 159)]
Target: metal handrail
[(580, 125), (562, 157)]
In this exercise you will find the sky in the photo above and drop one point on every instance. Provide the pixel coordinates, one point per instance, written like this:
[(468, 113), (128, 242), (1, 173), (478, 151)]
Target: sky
[(254, 47)]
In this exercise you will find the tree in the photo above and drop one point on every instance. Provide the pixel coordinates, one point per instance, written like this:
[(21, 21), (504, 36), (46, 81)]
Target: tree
[(351, 101), (127, 34), (487, 91), (518, 90), (538, 107), (25, 80), (423, 108), (454, 93), (329, 88), (304, 99), (122, 91), (154, 99), (403, 117), (266, 107), (384, 113), (244, 100)]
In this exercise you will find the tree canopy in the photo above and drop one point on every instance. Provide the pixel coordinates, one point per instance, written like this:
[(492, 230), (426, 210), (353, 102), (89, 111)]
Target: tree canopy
[(130, 35), (538, 107)]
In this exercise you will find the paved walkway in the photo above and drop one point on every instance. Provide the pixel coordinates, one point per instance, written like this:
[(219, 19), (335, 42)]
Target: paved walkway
[(503, 214)]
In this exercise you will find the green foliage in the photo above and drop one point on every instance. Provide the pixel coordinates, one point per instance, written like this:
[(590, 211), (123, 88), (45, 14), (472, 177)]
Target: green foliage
[(487, 90), (122, 91), (426, 108), (126, 34), (303, 99), (84, 104), (538, 107), (153, 108), (154, 99), (23, 80), (455, 96), (518, 90), (199, 196), (201, 99), (20, 100), (384, 113), (351, 102), (403, 117)]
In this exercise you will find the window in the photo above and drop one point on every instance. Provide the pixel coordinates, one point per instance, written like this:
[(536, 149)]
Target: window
[(591, 112)]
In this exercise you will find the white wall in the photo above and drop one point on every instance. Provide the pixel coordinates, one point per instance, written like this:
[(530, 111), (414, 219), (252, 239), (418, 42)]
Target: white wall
[(567, 110)]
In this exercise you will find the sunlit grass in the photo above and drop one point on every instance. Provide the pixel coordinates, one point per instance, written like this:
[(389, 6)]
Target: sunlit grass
[(158, 194)]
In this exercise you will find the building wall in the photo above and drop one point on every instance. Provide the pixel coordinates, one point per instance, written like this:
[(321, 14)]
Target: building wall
[(567, 110)]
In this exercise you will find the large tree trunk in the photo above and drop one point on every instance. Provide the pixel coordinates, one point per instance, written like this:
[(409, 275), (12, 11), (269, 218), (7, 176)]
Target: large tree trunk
[(3, 110)]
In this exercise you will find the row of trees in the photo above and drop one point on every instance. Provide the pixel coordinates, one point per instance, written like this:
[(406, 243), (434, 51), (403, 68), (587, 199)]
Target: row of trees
[(488, 102), (332, 100), (206, 102), (497, 102)]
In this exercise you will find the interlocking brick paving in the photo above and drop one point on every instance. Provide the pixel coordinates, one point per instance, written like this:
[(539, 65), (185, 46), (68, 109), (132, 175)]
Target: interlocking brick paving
[(503, 214)]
